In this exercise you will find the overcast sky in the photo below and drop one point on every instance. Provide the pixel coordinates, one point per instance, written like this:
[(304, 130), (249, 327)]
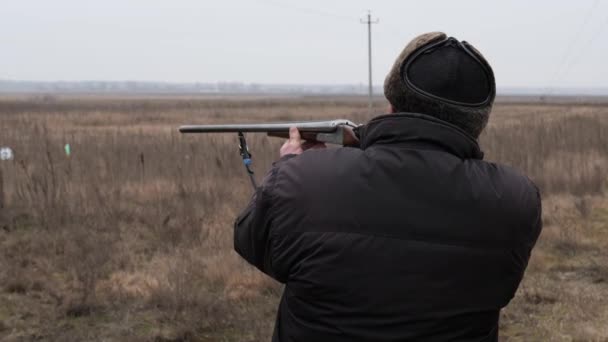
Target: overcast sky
[(543, 43)]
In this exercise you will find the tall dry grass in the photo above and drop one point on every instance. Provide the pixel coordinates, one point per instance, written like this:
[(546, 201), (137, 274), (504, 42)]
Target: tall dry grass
[(130, 237)]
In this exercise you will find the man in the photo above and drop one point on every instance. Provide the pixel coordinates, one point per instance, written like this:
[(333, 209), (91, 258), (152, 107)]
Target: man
[(412, 236)]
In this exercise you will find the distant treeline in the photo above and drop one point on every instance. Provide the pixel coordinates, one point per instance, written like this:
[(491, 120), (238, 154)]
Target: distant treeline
[(140, 87), (149, 87)]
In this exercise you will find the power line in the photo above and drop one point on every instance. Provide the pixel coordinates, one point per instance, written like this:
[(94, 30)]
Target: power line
[(369, 23), (566, 61), (309, 10), (585, 47)]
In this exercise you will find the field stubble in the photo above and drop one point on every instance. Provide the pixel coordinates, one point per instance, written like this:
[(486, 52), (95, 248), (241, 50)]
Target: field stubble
[(130, 238)]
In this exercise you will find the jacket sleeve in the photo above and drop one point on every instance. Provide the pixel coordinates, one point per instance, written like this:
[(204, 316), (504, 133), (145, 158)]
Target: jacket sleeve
[(252, 228)]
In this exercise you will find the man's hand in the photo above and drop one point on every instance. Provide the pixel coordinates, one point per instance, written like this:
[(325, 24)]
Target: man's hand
[(295, 145)]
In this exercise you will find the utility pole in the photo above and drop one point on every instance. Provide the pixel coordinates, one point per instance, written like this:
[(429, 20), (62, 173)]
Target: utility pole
[(369, 23)]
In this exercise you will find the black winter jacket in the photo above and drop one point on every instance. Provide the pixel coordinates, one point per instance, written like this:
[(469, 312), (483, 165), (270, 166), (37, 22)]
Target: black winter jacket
[(410, 237)]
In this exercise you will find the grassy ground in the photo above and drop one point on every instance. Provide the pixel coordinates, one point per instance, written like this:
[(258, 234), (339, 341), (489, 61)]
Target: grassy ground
[(130, 238)]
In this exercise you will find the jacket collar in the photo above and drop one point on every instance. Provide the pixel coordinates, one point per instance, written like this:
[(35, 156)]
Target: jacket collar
[(418, 130)]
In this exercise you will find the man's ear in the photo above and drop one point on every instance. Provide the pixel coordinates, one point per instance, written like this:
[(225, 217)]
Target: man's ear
[(391, 109)]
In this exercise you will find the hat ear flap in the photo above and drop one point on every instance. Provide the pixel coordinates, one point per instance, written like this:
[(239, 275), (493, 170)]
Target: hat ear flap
[(448, 71)]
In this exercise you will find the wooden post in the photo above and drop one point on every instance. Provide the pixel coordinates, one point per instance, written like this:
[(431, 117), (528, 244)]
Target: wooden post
[(143, 166)]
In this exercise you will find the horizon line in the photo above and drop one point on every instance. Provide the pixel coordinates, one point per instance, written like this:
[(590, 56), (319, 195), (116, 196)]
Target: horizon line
[(270, 84)]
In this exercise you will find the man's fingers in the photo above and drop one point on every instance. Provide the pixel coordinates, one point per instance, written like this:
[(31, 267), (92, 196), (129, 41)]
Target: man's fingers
[(294, 134), (293, 145)]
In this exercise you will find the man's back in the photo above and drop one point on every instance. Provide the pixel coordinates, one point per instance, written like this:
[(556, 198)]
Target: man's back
[(410, 237)]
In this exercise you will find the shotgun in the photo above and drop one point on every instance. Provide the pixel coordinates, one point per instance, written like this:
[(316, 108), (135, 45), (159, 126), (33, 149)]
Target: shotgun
[(340, 132)]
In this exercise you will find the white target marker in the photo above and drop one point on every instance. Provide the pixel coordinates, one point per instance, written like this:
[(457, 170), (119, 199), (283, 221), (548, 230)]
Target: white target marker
[(6, 153)]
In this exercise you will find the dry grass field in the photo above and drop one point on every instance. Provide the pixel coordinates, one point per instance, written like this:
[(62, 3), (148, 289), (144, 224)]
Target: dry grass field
[(130, 238)]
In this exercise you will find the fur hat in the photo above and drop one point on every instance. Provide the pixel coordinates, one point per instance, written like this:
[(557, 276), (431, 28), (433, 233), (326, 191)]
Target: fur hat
[(442, 77)]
